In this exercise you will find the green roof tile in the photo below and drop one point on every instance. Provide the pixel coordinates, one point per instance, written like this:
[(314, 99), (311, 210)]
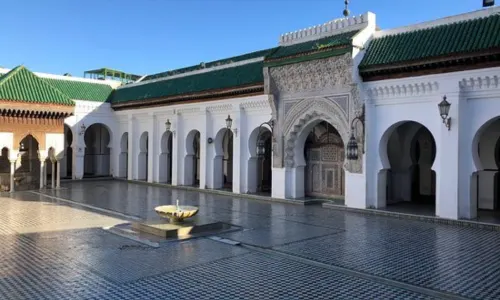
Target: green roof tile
[(22, 85), (343, 39), (218, 79), (451, 39), (215, 63), (78, 90)]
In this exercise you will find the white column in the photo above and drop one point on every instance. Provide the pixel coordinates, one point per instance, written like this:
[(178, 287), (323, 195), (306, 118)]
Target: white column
[(447, 172), (12, 172), (176, 154), (131, 153), (58, 178), (237, 146), (42, 172), (53, 175), (152, 153), (78, 161), (204, 134)]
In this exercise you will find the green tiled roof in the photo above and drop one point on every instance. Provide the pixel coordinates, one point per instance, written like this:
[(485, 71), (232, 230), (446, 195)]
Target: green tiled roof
[(220, 62), (22, 85), (219, 79), (78, 90), (343, 39), (463, 37)]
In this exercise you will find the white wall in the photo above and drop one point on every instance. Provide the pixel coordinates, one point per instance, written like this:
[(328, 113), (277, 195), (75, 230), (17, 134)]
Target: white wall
[(415, 99)]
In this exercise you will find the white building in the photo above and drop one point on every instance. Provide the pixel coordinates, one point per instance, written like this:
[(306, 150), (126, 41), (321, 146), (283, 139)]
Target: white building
[(302, 102)]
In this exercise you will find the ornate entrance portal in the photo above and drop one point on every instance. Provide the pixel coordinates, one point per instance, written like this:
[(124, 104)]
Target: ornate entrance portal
[(324, 154)]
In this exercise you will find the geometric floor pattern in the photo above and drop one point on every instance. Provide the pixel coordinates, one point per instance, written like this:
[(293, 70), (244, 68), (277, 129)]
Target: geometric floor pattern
[(57, 250)]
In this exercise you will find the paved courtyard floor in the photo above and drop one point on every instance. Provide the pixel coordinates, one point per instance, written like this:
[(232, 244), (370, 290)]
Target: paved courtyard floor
[(54, 245)]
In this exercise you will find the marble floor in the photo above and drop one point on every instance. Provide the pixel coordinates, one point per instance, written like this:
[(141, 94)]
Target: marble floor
[(54, 245)]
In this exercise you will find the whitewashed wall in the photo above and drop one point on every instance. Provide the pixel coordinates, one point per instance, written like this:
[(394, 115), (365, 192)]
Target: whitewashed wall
[(391, 102)]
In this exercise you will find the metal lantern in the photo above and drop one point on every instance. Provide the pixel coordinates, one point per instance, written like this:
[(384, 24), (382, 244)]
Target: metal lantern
[(229, 122), (22, 148), (261, 149), (82, 129), (444, 108), (352, 148), (168, 125)]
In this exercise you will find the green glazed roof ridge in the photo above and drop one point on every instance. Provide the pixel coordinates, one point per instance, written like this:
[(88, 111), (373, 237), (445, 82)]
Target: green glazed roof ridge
[(195, 72), (211, 64), (455, 38), (63, 99), (221, 79)]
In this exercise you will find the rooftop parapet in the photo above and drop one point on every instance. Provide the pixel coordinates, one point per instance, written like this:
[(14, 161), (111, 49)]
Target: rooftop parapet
[(333, 27)]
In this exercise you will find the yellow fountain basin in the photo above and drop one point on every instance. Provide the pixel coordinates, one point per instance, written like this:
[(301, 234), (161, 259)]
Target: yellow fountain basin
[(176, 213)]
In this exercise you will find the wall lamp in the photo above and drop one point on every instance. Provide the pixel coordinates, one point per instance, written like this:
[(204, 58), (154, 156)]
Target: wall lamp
[(168, 126), (229, 123), (352, 145), (444, 109), (82, 129)]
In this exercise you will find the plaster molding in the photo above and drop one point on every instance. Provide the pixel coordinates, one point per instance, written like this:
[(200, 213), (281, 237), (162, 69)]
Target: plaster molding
[(403, 90), (219, 108), (255, 104), (479, 83), (187, 110)]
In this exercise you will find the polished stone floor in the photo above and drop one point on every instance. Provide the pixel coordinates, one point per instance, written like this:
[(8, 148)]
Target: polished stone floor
[(54, 245)]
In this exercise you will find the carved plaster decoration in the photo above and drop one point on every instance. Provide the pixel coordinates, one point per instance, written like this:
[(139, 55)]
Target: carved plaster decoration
[(342, 101), (288, 105), (188, 110), (320, 104), (255, 104), (307, 112), (332, 72), (403, 90), (220, 108), (479, 83)]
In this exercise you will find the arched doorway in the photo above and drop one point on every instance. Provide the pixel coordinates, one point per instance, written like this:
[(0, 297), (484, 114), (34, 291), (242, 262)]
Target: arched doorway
[(192, 159), (123, 160), (67, 161), (165, 167), (260, 161), (408, 151), (324, 162), (486, 155), (142, 161), (4, 170), (97, 152), (223, 160), (27, 174)]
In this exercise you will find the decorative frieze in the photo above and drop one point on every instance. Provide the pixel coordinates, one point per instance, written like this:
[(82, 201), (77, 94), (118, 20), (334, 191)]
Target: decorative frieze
[(403, 90), (479, 83), (219, 108), (329, 73), (255, 104)]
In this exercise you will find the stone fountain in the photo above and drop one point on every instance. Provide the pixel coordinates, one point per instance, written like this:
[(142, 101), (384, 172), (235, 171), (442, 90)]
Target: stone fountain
[(182, 222), (176, 213)]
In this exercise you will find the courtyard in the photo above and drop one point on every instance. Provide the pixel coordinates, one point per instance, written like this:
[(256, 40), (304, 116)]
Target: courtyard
[(55, 244)]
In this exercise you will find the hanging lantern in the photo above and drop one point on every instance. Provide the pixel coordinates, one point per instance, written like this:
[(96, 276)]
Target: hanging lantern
[(168, 125), (261, 149), (352, 148), (229, 122)]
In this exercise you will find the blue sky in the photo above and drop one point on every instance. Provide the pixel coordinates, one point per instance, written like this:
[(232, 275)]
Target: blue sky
[(150, 36)]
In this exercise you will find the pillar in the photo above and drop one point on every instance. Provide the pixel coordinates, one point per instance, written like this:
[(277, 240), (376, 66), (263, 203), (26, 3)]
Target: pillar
[(131, 153), (204, 134), (58, 178), (78, 161), (42, 172), (53, 175), (176, 154), (12, 172), (447, 167), (152, 151), (237, 153)]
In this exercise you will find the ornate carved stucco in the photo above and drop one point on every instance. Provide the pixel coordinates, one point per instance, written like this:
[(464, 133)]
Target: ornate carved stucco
[(311, 75), (321, 78)]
